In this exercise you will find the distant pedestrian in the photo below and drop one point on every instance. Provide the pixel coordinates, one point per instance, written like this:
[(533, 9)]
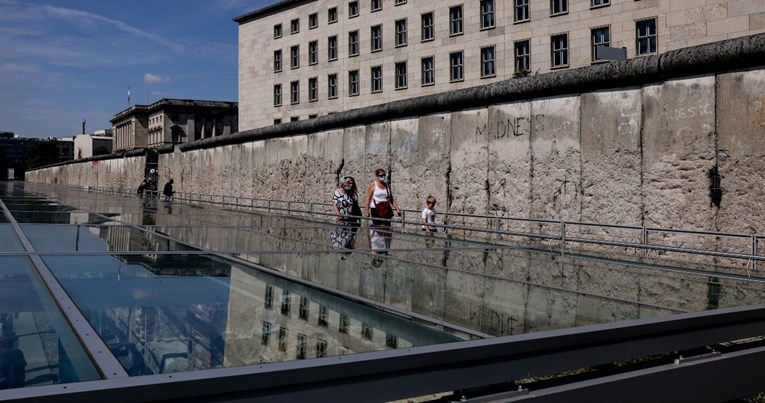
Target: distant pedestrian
[(429, 216), (167, 192), (380, 201), (142, 187)]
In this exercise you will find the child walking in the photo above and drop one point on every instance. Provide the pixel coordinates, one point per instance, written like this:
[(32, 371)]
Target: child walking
[(429, 215)]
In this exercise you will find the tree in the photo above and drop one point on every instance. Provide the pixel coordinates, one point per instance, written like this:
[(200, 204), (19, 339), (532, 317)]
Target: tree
[(42, 153)]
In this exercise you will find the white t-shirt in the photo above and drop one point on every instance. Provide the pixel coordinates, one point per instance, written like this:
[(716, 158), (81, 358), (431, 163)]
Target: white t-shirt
[(430, 218)]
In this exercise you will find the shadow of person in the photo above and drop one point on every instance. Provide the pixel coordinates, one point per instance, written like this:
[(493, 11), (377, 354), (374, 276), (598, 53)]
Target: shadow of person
[(12, 364)]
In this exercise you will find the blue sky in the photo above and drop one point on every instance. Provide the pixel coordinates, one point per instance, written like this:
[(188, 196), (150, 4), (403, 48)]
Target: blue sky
[(62, 61)]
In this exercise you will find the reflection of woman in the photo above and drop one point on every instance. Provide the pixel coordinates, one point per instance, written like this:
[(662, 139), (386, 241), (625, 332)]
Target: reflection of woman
[(345, 201), (380, 202), (378, 241)]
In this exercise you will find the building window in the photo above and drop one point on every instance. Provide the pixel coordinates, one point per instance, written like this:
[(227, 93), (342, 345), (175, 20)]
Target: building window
[(600, 37), (283, 338), (428, 71), (295, 56), (353, 82), (313, 89), (521, 10), (353, 9), (265, 333), (277, 121), (646, 36), (277, 61), (400, 75), (427, 26), (558, 7), (300, 349), (488, 62), (294, 118), (303, 311), (277, 31), (487, 14), (344, 324), (313, 52), (295, 26), (313, 116), (353, 43), (376, 38), (376, 5), (295, 92), (456, 71), (600, 3), (268, 300), (455, 20), (323, 316), (400, 2), (313, 20), (391, 341), (377, 79), (277, 102), (366, 331), (332, 15), (321, 348), (559, 48), (401, 32), (286, 298), (522, 56), (332, 86), (332, 47)]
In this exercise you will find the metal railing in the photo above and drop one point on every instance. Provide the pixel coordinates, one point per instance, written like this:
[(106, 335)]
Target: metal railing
[(499, 228)]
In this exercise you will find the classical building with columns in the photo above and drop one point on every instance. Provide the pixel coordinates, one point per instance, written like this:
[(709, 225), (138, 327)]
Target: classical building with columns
[(173, 121), (301, 59)]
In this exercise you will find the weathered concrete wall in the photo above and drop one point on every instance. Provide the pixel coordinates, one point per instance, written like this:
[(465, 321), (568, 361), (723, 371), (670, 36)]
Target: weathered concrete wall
[(119, 174), (561, 146)]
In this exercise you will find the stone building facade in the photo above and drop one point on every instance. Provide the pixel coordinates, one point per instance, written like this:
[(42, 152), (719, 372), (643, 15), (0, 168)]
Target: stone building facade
[(307, 58), (173, 121)]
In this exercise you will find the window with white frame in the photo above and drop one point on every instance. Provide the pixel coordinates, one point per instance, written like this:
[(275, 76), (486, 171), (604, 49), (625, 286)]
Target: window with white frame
[(300, 349), (353, 9), (376, 5), (277, 31), (313, 52), (401, 32), (376, 42), (600, 3), (265, 333), (488, 61), (522, 56), (401, 81), (332, 86), (294, 95), (455, 20), (353, 82), (295, 56), (295, 26), (428, 70), (283, 338), (427, 27), (400, 2), (456, 66), (559, 49), (558, 7), (313, 89), (277, 61), (600, 37), (353, 43), (377, 78), (521, 10), (487, 14), (646, 36), (277, 95), (332, 47)]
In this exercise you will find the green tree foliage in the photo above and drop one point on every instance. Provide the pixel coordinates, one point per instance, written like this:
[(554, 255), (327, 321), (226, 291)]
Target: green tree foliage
[(42, 153)]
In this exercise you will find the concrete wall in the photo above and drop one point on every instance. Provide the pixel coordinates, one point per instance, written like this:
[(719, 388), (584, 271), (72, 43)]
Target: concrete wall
[(560, 146)]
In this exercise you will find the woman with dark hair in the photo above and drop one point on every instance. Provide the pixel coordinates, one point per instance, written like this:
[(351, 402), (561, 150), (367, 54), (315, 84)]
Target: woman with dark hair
[(380, 203), (345, 201)]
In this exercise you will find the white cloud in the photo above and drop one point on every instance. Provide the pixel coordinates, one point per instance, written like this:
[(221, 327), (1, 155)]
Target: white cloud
[(149, 78)]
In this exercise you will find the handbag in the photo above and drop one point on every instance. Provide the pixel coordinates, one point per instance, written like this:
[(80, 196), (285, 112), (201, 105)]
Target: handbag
[(383, 209)]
